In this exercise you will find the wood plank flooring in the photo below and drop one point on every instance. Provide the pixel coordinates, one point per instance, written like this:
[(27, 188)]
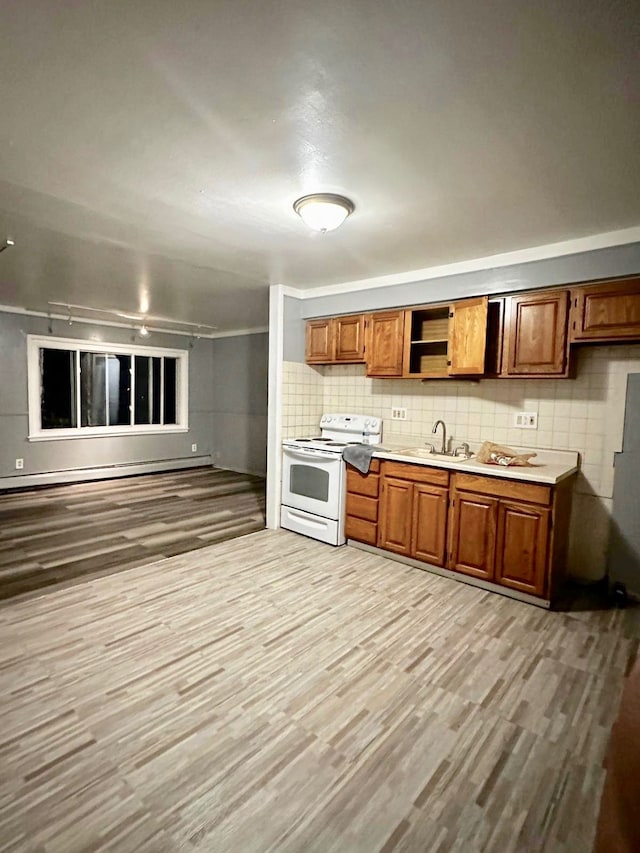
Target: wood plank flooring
[(61, 533), (272, 693)]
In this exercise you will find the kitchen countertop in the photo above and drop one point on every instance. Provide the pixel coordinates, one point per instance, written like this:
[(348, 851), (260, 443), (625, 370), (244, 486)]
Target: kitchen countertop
[(548, 466)]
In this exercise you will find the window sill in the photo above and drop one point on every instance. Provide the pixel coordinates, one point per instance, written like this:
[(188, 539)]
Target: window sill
[(66, 435)]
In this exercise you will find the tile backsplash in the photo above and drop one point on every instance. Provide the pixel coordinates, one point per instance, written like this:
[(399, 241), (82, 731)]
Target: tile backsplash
[(584, 414)]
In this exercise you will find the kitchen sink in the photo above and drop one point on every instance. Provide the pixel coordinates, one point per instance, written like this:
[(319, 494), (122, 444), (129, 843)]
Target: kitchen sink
[(425, 453)]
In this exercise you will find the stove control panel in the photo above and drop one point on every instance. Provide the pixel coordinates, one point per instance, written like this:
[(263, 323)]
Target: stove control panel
[(360, 428)]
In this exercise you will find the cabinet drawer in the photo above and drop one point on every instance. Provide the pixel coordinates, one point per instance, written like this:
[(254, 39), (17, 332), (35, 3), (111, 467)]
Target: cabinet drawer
[(363, 484), (362, 507), (416, 473), (532, 492), (361, 530)]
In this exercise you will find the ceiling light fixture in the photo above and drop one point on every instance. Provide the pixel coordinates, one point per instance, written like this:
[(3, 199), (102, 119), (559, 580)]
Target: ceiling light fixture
[(7, 244), (144, 331), (323, 211)]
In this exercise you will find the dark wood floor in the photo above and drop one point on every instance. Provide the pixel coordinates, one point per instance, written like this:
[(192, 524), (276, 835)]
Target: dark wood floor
[(57, 534)]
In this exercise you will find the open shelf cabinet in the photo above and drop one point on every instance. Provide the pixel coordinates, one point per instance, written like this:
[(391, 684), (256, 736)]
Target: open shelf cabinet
[(427, 343)]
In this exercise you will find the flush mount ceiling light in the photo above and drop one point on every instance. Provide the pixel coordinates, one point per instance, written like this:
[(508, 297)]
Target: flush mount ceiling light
[(323, 211)]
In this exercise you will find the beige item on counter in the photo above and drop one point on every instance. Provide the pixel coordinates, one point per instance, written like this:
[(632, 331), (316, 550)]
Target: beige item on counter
[(497, 454)]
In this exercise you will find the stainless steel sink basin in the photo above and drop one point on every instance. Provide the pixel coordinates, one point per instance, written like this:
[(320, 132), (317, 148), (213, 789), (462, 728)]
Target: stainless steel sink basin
[(425, 453)]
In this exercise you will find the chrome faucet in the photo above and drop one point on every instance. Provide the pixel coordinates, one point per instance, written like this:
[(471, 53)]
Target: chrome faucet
[(444, 434)]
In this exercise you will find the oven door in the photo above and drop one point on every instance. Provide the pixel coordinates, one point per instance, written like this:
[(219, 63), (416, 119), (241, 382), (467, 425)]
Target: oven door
[(312, 481)]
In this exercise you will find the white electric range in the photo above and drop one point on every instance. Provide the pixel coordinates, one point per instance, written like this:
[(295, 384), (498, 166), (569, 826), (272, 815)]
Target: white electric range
[(314, 479)]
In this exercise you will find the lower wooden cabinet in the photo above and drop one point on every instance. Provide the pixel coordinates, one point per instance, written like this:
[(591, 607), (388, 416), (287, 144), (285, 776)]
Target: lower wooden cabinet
[(507, 532), (522, 547), (413, 511), (396, 517), (429, 523), (361, 522), (501, 531), (474, 521)]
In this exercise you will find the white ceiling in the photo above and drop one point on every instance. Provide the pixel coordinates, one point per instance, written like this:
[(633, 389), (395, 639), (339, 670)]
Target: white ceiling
[(154, 148)]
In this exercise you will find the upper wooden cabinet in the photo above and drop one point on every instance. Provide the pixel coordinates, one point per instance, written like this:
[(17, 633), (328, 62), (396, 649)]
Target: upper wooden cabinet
[(468, 337), (335, 340), (319, 341), (446, 340), (384, 339), (525, 335), (535, 334), (349, 338), (606, 311)]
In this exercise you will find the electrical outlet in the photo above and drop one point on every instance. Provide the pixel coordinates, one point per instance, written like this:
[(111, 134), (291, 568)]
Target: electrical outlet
[(194, 448), (526, 420), (19, 464), (398, 414)]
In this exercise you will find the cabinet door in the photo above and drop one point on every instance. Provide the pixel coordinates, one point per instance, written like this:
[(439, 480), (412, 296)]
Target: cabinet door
[(522, 547), (606, 312), (349, 338), (473, 535), (536, 334), (468, 337), (429, 523), (495, 337), (319, 341), (395, 515), (384, 343)]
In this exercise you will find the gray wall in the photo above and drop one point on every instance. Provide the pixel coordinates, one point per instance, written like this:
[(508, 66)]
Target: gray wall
[(624, 547), (240, 382), (294, 329), (603, 263), (69, 454)]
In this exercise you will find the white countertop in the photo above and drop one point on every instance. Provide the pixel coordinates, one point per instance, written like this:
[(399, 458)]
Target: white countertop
[(548, 466)]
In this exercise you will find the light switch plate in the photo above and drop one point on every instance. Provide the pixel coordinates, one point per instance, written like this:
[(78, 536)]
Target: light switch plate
[(526, 420), (398, 414)]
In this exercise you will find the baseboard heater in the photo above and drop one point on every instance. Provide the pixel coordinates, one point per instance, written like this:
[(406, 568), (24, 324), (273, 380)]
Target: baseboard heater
[(101, 472)]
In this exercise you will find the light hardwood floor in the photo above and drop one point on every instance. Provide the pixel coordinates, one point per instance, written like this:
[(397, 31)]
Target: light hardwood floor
[(60, 533), (274, 693)]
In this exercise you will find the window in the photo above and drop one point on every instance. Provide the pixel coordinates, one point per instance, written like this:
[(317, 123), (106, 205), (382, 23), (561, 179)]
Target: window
[(77, 388)]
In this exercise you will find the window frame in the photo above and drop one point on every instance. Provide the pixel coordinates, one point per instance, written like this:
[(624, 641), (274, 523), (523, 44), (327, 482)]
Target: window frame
[(37, 342)]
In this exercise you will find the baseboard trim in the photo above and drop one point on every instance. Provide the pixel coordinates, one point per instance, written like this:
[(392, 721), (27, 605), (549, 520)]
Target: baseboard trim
[(102, 472), (454, 576), (251, 472)]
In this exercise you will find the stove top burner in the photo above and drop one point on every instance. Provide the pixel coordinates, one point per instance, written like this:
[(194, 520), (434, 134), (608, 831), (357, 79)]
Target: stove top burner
[(328, 442)]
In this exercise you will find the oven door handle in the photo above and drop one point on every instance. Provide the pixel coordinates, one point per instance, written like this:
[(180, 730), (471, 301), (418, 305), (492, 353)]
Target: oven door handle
[(311, 454)]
